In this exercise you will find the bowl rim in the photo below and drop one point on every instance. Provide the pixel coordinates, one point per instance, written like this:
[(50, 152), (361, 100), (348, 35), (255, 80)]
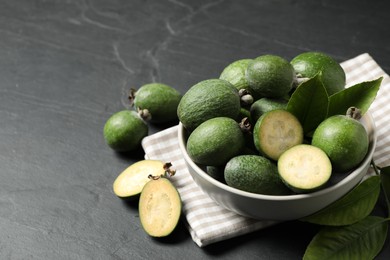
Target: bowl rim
[(292, 197)]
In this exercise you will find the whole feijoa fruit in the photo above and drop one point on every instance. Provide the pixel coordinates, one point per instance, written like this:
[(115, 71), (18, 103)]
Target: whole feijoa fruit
[(275, 132), (254, 173), (344, 140), (158, 101), (270, 76), (124, 131), (235, 73), (208, 99), (308, 64), (215, 141)]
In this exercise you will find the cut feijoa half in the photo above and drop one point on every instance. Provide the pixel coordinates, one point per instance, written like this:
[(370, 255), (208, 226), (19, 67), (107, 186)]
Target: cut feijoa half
[(275, 132), (304, 168), (159, 207), (133, 179)]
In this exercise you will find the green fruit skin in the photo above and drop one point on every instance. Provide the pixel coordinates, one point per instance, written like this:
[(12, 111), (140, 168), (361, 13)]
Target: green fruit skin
[(264, 105), (215, 141), (216, 172), (256, 174), (208, 99), (235, 74), (270, 76), (344, 140), (160, 100), (308, 64), (124, 131)]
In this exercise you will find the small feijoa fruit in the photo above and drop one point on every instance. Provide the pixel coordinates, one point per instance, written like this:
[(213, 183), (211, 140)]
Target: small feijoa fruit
[(124, 131), (344, 140), (159, 100), (270, 76)]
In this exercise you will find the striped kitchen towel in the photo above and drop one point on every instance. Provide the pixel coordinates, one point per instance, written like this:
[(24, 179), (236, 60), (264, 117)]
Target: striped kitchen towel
[(208, 222)]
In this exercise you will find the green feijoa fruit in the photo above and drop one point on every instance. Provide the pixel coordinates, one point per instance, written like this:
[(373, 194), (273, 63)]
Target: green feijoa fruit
[(159, 101), (124, 131), (304, 168), (208, 99), (264, 105), (308, 64), (215, 141), (254, 173), (216, 172), (270, 76), (235, 73), (159, 207), (275, 132), (344, 140)]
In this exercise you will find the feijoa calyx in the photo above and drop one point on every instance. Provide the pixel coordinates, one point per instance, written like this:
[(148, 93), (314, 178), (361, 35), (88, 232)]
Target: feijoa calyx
[(215, 141), (344, 139), (157, 102), (133, 179), (208, 99), (124, 131), (256, 174), (159, 207)]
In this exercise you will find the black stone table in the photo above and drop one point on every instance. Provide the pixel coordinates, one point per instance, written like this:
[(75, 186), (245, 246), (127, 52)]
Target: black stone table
[(66, 66)]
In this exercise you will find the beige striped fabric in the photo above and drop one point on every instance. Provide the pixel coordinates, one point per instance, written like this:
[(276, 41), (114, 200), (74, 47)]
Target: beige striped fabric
[(207, 222)]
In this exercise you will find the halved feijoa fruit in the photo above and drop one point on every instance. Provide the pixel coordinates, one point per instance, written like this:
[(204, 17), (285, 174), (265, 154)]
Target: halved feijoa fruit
[(133, 179), (159, 207), (275, 132), (304, 168)]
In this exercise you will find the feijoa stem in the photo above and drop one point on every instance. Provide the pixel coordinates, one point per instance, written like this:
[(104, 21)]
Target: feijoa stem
[(245, 125), (168, 172), (131, 96), (354, 112), (144, 114), (245, 97)]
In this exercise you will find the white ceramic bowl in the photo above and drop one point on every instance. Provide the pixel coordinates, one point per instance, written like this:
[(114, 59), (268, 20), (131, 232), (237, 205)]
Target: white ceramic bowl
[(272, 207)]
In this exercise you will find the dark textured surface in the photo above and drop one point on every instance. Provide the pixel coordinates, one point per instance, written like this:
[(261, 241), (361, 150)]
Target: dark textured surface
[(65, 67)]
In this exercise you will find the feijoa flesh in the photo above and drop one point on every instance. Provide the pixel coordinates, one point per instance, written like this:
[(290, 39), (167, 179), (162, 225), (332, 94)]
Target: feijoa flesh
[(304, 168), (208, 99), (157, 101), (275, 132), (132, 180), (124, 131), (344, 140), (159, 207), (256, 174), (215, 141)]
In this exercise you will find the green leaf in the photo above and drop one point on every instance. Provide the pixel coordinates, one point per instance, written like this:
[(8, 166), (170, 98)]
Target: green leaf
[(309, 103), (352, 207), (362, 240), (360, 95), (385, 177)]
